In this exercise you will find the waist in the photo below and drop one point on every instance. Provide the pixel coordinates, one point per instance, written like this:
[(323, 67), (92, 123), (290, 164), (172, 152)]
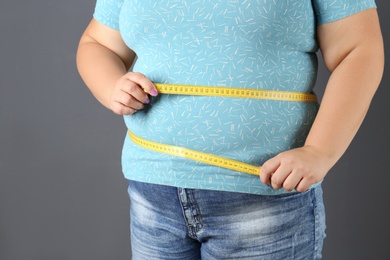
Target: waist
[(230, 127), (218, 91)]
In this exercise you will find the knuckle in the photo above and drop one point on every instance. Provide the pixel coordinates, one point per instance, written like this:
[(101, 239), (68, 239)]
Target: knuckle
[(291, 161), (121, 110), (276, 179), (138, 75), (117, 109), (128, 99), (264, 178), (287, 159), (300, 168), (311, 178), (131, 86), (264, 168)]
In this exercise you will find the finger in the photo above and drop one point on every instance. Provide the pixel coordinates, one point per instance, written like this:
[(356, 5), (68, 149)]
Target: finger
[(303, 185), (292, 181), (130, 101), (279, 177), (132, 93), (275, 183), (120, 109), (268, 168), (145, 84)]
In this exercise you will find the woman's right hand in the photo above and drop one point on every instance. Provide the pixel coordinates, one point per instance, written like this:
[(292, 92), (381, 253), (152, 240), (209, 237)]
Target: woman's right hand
[(130, 93)]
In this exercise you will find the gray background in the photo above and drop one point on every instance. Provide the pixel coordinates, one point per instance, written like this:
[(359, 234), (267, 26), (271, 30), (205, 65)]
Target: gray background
[(62, 194)]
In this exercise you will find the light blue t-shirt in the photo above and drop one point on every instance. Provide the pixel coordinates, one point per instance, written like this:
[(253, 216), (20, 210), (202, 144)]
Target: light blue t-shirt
[(259, 44)]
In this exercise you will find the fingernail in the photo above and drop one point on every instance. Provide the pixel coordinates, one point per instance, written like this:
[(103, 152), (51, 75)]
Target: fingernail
[(153, 93), (147, 101)]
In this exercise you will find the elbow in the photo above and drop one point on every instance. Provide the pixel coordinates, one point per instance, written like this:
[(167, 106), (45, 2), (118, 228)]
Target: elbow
[(366, 59), (371, 60), (375, 59)]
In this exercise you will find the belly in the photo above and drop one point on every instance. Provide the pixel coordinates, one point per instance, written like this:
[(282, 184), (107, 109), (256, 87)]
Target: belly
[(248, 130)]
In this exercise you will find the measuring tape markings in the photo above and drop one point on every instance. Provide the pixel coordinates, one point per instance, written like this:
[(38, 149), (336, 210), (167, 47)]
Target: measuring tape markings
[(235, 92), (220, 92), (195, 155)]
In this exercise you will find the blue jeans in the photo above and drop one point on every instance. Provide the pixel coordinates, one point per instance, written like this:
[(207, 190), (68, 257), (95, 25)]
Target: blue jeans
[(175, 223)]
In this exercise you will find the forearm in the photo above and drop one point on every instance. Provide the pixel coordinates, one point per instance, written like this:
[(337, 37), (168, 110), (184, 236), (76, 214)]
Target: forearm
[(346, 100), (100, 69)]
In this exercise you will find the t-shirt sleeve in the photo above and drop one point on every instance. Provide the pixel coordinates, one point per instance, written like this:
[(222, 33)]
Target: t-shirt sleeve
[(107, 12), (331, 10)]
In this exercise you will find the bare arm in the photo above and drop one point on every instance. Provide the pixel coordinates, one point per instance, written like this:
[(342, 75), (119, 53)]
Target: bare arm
[(353, 52), (103, 60)]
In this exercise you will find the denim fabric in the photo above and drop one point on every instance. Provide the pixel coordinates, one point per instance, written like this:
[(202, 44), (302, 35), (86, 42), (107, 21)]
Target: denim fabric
[(176, 223)]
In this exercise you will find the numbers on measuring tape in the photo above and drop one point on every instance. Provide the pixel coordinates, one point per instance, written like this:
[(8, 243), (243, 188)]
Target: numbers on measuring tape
[(235, 92)]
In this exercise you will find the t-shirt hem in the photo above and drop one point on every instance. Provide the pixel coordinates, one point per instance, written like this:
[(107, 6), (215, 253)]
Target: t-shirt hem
[(331, 16), (239, 188), (107, 22)]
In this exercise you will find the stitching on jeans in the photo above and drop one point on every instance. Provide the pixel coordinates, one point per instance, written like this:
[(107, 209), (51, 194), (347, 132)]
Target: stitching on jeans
[(318, 227), (197, 216), (314, 201), (186, 197)]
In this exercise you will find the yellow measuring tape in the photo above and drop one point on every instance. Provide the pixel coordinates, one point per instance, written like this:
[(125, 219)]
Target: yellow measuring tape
[(235, 92), (195, 155), (220, 92)]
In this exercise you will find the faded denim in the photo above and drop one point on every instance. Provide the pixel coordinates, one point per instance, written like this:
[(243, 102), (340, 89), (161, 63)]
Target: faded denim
[(175, 223)]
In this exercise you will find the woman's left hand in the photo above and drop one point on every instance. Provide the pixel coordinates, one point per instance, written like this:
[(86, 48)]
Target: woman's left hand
[(295, 169)]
